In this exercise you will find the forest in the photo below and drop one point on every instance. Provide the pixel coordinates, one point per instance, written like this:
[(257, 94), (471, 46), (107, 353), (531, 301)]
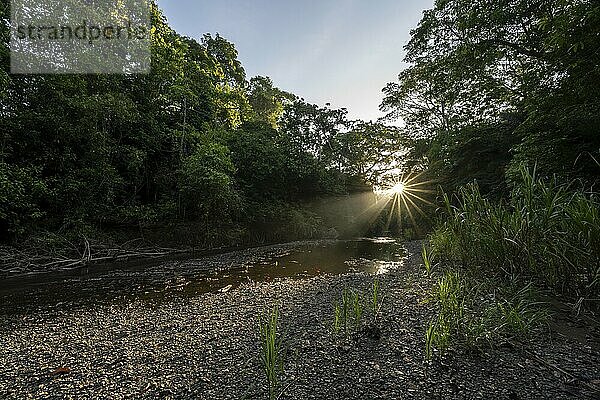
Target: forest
[(194, 146), (488, 158), (219, 158)]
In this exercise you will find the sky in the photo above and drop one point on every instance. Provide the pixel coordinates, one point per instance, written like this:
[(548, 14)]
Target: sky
[(341, 52)]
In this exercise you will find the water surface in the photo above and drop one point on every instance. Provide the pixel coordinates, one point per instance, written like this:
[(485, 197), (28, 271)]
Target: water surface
[(160, 280)]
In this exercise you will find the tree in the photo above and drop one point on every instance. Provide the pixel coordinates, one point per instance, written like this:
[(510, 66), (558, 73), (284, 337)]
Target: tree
[(260, 162), (311, 128), (473, 63), (267, 101), (190, 142), (206, 185), (369, 150)]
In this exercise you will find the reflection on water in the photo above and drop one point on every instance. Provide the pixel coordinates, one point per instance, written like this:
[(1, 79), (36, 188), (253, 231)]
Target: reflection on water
[(160, 280)]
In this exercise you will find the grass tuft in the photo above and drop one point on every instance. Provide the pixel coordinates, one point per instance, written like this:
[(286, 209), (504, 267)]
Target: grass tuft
[(375, 306), (349, 311), (476, 312), (426, 260), (272, 350), (358, 308)]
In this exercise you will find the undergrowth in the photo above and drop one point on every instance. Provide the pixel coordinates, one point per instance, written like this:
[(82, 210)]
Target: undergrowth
[(477, 312), (546, 232), (497, 256)]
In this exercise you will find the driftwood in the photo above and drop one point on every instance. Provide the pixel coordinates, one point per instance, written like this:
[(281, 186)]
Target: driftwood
[(37, 258), (15, 261)]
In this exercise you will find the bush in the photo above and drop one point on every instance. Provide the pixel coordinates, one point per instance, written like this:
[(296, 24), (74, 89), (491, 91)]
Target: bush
[(496, 254), (546, 232), (20, 189)]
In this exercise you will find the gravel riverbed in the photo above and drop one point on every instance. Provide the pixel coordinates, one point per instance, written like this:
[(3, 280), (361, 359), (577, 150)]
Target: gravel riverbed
[(207, 347)]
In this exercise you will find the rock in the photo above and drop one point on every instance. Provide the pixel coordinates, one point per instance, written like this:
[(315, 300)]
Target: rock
[(60, 371), (226, 289), (208, 347)]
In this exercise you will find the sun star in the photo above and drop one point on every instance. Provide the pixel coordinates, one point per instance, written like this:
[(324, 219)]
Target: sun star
[(398, 188)]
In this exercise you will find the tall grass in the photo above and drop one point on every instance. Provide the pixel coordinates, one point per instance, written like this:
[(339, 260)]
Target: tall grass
[(375, 298), (547, 232), (342, 313), (272, 350), (447, 294), (497, 255), (426, 260), (358, 308)]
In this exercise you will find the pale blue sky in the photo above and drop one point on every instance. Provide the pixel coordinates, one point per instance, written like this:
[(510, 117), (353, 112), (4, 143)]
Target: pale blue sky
[(337, 51)]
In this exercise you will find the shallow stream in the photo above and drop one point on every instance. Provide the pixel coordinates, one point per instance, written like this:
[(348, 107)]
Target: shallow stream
[(162, 280)]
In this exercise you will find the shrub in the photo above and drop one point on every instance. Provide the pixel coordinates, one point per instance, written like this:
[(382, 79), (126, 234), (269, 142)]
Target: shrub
[(546, 232)]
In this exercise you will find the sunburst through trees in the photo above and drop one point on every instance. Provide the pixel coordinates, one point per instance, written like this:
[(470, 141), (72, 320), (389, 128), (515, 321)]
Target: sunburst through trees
[(400, 196)]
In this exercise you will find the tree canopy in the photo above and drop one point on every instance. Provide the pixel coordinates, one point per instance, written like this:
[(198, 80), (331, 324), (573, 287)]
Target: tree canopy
[(489, 86), (193, 141), (495, 84)]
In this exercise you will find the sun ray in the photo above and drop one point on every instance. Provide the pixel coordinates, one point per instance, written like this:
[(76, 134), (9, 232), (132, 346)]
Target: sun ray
[(381, 205), (408, 193), (399, 216), (410, 215), (423, 183), (391, 214), (414, 178), (415, 206), (399, 195), (410, 189)]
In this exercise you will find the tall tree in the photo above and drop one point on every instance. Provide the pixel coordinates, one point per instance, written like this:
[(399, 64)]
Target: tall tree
[(476, 65), (267, 101)]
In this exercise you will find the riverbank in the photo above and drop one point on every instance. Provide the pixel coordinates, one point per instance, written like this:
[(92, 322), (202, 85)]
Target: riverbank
[(51, 253), (207, 347)]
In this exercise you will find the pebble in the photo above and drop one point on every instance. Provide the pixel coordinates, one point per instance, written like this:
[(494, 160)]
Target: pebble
[(208, 347)]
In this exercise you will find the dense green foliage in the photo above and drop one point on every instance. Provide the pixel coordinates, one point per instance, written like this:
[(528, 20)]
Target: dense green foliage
[(545, 233), (496, 254), (493, 85), (476, 312), (192, 142), (500, 103), (197, 145)]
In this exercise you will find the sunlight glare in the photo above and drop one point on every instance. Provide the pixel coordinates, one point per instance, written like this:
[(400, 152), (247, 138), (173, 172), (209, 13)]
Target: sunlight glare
[(399, 188), (401, 196)]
